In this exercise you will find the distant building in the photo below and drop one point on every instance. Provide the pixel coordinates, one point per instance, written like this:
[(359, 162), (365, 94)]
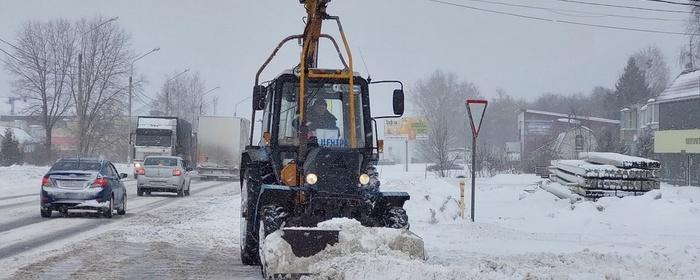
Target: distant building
[(544, 136), (27, 143), (63, 137), (676, 118)]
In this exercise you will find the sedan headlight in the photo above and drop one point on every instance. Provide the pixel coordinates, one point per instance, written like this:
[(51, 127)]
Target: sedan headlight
[(364, 179), (311, 179)]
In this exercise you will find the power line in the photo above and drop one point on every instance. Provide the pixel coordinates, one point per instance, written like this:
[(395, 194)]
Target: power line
[(624, 7), (676, 3), (565, 11), (563, 21)]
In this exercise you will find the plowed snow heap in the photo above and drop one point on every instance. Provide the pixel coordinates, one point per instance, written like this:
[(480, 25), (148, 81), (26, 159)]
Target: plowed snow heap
[(316, 160), (597, 175)]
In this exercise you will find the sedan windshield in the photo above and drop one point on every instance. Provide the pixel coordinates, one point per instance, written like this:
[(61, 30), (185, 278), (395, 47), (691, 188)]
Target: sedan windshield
[(76, 165), (160, 161)]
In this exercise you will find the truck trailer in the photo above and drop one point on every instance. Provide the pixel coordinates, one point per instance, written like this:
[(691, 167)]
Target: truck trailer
[(220, 142)]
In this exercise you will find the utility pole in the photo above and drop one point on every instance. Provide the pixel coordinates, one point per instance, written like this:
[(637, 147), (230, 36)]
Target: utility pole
[(167, 90), (131, 74)]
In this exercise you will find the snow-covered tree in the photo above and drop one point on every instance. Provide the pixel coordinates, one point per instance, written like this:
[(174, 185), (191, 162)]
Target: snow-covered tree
[(9, 149), (632, 87), (645, 143)]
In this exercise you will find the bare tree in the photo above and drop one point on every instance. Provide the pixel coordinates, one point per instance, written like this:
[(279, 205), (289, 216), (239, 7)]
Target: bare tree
[(99, 93), (652, 63), (688, 57), (182, 97), (440, 98), (40, 65)]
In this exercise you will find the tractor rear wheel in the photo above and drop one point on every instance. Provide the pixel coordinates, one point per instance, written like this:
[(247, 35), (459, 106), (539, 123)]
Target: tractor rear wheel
[(396, 217)]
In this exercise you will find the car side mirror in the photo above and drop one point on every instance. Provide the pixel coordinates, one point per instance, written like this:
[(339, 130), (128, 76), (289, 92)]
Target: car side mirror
[(123, 175), (258, 97), (398, 102)]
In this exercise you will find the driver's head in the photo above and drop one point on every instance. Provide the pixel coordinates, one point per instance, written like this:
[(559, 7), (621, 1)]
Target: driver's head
[(319, 106)]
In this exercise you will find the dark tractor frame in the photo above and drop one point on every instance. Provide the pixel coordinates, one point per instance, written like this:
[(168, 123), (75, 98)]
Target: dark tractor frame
[(268, 201)]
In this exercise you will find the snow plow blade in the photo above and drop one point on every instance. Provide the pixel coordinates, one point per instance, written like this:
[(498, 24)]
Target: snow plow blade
[(291, 253), (308, 242)]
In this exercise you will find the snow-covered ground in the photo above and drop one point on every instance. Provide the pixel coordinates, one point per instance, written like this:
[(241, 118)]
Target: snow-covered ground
[(524, 232), (521, 232)]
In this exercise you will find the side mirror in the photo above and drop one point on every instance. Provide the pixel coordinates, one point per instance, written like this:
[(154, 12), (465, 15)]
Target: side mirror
[(258, 97), (398, 102), (123, 175)]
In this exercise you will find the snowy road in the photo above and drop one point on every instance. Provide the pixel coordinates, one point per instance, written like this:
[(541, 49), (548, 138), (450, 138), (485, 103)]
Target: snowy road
[(160, 237)]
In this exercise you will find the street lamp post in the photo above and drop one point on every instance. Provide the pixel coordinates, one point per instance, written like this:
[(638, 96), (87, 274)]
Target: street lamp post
[(201, 102), (131, 73), (167, 90), (80, 78), (235, 110)]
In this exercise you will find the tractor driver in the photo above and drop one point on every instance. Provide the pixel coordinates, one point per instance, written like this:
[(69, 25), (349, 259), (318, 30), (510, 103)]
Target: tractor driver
[(319, 117)]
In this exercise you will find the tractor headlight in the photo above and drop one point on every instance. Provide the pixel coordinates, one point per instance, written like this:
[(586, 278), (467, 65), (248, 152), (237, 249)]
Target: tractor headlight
[(364, 179), (311, 179)]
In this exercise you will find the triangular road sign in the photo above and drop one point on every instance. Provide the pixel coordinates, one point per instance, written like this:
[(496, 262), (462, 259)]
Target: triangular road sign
[(476, 108)]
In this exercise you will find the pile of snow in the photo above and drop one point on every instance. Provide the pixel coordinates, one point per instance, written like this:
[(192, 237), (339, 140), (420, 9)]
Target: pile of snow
[(354, 241), (21, 179), (524, 232)]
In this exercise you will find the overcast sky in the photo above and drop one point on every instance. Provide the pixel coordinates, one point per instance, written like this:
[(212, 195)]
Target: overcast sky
[(227, 40)]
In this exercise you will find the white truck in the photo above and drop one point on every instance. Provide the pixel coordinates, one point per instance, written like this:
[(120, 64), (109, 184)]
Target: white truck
[(162, 136), (220, 142)]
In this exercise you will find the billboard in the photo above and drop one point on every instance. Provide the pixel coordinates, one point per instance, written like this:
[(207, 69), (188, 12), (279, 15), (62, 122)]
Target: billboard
[(411, 128), (676, 141), (538, 127)]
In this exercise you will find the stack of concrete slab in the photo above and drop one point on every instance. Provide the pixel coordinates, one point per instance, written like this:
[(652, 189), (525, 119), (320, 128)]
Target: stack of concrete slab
[(597, 175)]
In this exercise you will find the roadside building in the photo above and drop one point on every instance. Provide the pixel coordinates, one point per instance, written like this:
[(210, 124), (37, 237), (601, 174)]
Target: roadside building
[(675, 115), (544, 136)]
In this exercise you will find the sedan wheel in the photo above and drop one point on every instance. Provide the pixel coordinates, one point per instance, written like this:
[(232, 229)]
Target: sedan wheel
[(109, 212), (122, 211)]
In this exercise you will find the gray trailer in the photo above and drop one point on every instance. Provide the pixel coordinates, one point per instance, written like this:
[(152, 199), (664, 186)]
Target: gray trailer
[(220, 142)]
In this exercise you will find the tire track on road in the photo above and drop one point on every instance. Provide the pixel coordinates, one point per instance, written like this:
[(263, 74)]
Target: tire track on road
[(20, 247), (18, 196), (35, 219)]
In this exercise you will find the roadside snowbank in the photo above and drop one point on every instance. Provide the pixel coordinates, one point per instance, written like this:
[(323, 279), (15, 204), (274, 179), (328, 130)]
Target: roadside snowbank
[(524, 232), (21, 179)]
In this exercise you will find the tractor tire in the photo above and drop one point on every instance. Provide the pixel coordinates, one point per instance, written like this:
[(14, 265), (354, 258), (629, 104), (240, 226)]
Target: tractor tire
[(396, 217), (272, 218), (248, 239)]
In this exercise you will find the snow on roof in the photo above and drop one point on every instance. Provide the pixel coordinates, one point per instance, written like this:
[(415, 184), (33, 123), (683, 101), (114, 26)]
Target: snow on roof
[(685, 86), (593, 119), (162, 123), (21, 135)]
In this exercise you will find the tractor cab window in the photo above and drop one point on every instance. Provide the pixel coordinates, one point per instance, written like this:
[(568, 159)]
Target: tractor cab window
[(327, 115)]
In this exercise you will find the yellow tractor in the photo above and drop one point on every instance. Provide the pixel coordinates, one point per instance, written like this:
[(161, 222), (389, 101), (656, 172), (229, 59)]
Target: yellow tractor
[(318, 149)]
